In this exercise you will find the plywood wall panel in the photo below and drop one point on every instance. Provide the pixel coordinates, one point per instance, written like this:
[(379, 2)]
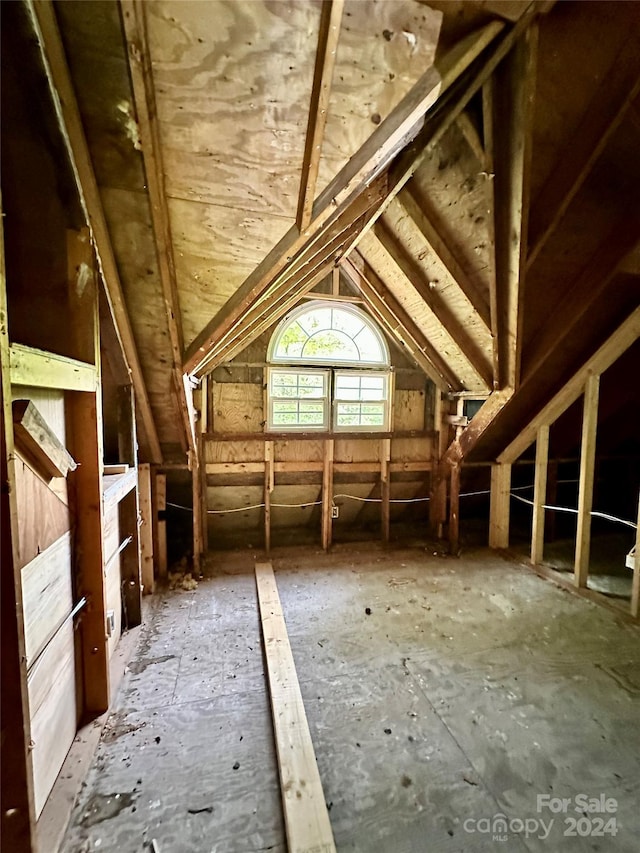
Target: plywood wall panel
[(52, 701), (237, 408), (47, 594), (44, 517), (131, 232)]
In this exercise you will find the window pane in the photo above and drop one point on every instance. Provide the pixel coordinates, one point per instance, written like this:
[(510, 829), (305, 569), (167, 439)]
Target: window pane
[(360, 415), (327, 333), (330, 344), (369, 346)]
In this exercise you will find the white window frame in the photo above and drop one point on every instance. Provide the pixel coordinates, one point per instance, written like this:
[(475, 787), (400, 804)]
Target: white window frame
[(291, 318), (273, 398), (385, 375)]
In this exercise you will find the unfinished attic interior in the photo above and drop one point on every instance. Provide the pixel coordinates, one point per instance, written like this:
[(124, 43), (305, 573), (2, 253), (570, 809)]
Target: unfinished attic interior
[(320, 345)]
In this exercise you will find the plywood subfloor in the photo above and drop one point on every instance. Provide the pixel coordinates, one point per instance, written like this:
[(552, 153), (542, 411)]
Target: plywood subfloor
[(471, 687)]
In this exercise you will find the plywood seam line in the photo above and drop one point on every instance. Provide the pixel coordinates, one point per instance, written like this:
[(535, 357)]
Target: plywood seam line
[(393, 134), (140, 68), (45, 25), (306, 817), (328, 36)]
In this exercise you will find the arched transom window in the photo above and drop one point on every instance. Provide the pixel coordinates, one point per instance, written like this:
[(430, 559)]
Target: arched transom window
[(351, 393)]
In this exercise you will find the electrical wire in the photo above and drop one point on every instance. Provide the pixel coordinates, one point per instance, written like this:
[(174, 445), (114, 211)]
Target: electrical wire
[(574, 511)]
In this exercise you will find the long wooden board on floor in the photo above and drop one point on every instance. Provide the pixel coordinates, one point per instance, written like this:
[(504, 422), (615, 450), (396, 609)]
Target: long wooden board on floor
[(305, 811)]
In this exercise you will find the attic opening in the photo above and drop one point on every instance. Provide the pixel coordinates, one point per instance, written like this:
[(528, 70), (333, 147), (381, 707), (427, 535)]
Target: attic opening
[(328, 369)]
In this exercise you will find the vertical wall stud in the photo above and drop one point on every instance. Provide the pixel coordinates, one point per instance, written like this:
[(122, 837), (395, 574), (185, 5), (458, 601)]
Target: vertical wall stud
[(587, 469), (454, 510), (539, 495), (635, 586), (500, 505), (146, 527), (327, 494)]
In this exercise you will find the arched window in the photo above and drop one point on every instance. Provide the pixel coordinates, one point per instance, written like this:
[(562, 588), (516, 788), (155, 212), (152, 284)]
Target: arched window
[(351, 394)]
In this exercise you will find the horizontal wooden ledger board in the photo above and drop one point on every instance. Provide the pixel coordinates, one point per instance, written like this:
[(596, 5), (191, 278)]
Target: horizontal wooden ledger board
[(305, 810)]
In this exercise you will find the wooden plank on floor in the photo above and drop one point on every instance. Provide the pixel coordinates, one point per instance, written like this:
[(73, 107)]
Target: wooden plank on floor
[(305, 811)]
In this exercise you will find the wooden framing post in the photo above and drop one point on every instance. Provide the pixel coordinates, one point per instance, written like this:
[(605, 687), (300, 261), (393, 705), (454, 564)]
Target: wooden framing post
[(587, 470), (203, 424), (327, 494), (539, 495), (454, 510), (17, 807), (130, 559), (84, 410), (438, 491), (500, 505), (146, 527), (161, 523), (385, 481), (635, 586), (268, 488)]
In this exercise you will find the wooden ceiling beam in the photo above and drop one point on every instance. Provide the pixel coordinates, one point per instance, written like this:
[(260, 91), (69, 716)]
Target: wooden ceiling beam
[(401, 326), (513, 98), (626, 335), (139, 61), (46, 28), (602, 118), (328, 35), (387, 140), (409, 272), (440, 249)]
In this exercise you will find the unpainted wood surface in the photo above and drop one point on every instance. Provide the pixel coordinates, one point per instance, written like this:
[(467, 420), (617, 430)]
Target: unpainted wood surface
[(34, 436), (52, 700), (305, 812), (43, 515), (129, 223), (47, 595), (382, 264)]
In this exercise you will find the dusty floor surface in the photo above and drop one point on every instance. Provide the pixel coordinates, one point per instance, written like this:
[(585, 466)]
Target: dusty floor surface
[(472, 687)]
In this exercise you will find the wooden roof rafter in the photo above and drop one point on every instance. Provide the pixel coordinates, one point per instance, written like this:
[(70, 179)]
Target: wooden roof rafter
[(482, 68), (586, 288), (329, 33), (295, 281), (440, 248), (625, 335), (389, 138), (512, 116), (46, 28), (139, 60), (410, 270), (601, 120), (400, 326)]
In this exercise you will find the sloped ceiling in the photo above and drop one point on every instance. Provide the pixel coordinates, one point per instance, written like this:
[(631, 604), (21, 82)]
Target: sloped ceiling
[(501, 231)]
